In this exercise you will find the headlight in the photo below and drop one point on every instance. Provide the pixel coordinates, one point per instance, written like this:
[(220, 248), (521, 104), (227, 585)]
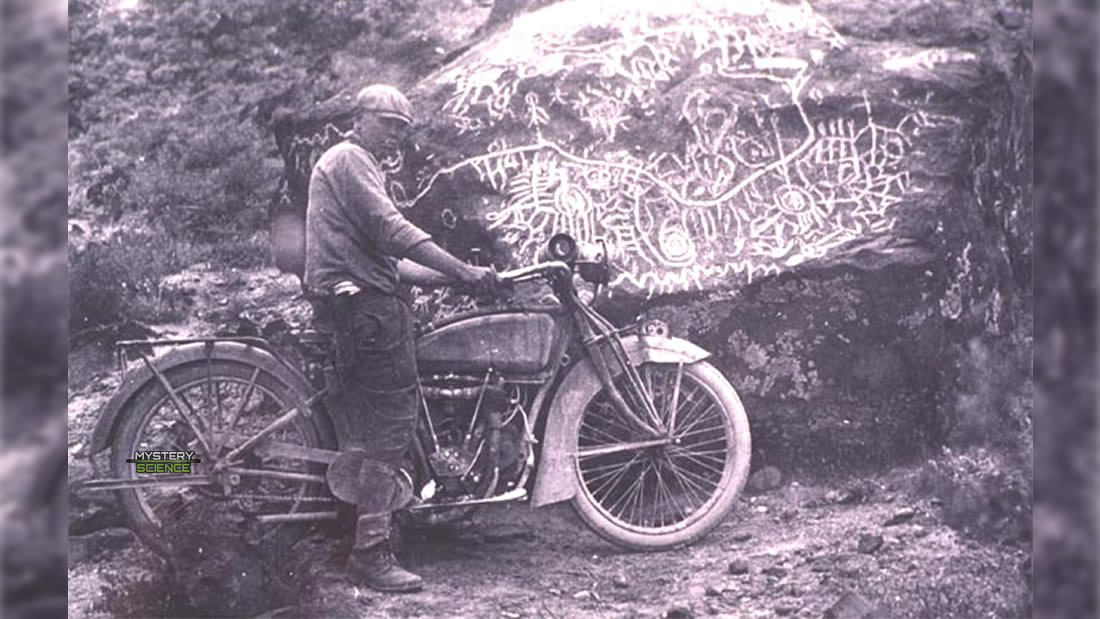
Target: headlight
[(562, 247)]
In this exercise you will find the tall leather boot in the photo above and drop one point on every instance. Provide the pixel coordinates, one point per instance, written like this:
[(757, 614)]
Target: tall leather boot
[(372, 562)]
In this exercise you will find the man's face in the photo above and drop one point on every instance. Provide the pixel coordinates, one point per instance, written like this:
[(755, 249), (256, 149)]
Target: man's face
[(382, 132)]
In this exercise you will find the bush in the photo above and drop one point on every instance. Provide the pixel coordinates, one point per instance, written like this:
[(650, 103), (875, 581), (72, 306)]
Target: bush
[(121, 279), (987, 585), (985, 494), (238, 253), (994, 403)]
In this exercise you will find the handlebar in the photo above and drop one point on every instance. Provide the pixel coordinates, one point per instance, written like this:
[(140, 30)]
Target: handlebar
[(535, 271)]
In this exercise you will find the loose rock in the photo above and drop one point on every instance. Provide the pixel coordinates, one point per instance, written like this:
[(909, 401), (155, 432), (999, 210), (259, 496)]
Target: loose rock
[(785, 611), (869, 543), (742, 537), (679, 612), (738, 567), (766, 479), (1011, 20), (900, 517), (620, 581), (712, 592), (850, 606), (776, 571)]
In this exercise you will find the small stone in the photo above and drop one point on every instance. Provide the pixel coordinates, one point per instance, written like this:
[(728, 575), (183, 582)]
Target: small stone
[(869, 543), (766, 479), (850, 606), (712, 609), (851, 496), (1011, 20), (785, 611), (711, 592), (900, 517), (776, 571), (742, 537), (919, 531), (679, 612), (582, 595), (738, 567), (620, 581)]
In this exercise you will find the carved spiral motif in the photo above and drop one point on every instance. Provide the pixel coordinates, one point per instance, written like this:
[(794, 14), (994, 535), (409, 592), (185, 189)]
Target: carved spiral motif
[(677, 247), (794, 200)]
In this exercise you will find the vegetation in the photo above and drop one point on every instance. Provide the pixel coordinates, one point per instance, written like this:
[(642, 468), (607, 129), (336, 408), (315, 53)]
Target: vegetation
[(170, 104)]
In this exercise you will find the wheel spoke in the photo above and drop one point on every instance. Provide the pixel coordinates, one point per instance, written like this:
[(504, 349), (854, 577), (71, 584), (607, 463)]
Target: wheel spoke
[(702, 428), (698, 418), (625, 498), (668, 495), (605, 436), (707, 464), (231, 424), (688, 485), (702, 482), (589, 468), (614, 479)]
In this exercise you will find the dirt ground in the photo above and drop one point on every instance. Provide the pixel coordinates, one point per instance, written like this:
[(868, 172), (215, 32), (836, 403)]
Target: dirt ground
[(801, 550), (792, 551)]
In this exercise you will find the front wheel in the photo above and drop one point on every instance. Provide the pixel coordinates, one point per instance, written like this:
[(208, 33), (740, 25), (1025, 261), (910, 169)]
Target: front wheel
[(648, 496)]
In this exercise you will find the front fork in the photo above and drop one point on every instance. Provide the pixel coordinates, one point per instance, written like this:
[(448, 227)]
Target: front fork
[(597, 338)]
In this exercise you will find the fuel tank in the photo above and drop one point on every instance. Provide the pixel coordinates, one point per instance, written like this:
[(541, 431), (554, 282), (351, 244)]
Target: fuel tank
[(512, 341)]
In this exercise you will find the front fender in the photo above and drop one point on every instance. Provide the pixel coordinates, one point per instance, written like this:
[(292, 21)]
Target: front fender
[(555, 479), (248, 353)]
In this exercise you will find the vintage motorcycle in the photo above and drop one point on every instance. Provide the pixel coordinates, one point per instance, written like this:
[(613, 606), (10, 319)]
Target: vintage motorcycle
[(540, 402)]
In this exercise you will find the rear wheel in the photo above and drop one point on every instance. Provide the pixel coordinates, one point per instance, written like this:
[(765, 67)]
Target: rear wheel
[(650, 497), (226, 402)]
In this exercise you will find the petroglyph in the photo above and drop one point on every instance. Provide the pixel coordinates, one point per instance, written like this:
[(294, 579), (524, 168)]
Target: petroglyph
[(757, 177)]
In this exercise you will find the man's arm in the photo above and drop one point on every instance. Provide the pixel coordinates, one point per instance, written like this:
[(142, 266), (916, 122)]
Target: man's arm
[(435, 258), (410, 272)]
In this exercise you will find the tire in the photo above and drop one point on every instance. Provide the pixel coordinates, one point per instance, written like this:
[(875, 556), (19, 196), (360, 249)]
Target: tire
[(655, 498), (255, 398)]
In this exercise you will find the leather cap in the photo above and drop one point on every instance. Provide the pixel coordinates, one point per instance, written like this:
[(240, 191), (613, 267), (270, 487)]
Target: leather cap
[(385, 101)]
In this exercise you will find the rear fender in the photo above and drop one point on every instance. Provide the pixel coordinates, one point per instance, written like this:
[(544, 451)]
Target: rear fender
[(250, 354), (556, 478)]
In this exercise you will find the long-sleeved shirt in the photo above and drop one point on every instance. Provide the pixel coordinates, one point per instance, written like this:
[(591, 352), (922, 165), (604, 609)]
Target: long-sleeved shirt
[(353, 230)]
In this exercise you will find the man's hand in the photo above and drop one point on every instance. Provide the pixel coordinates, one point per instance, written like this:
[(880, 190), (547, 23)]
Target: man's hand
[(483, 280)]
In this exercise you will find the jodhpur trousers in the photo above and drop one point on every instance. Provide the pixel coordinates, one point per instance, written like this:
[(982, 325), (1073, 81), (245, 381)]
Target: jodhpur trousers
[(376, 360)]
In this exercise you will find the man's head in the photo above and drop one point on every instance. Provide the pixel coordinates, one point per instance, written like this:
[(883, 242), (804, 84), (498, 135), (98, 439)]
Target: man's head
[(384, 116)]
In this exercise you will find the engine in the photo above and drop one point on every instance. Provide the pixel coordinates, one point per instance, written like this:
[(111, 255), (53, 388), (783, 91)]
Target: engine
[(483, 444)]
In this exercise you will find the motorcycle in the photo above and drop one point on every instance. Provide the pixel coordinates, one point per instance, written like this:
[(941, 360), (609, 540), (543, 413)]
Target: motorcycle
[(537, 402)]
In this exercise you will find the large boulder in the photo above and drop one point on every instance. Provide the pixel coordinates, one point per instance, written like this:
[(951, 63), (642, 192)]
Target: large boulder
[(833, 199)]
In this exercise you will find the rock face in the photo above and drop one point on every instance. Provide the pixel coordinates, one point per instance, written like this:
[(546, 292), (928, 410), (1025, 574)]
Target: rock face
[(833, 199)]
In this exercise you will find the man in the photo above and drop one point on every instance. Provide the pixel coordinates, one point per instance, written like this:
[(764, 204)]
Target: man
[(360, 255)]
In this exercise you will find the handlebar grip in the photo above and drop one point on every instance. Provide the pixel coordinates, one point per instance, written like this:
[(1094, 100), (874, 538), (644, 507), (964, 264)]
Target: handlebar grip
[(534, 271)]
